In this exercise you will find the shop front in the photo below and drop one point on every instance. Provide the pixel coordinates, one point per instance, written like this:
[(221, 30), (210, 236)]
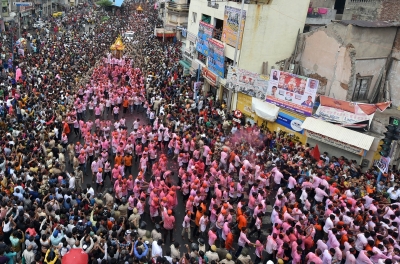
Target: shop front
[(211, 80), (256, 111), (339, 141), (289, 122)]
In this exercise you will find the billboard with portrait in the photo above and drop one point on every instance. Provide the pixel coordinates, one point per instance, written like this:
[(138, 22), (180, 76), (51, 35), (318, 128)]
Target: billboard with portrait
[(247, 82), (231, 26), (293, 92), (205, 33)]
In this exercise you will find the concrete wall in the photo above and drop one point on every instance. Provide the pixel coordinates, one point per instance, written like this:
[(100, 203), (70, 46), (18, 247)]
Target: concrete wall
[(371, 67), (362, 10), (336, 53), (323, 3), (325, 56), (371, 42), (382, 10), (271, 32)]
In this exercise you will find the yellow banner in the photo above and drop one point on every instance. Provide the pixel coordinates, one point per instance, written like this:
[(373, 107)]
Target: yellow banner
[(231, 26)]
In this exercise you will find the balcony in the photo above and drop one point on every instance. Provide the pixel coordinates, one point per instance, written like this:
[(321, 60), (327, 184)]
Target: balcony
[(164, 32), (320, 16), (178, 7)]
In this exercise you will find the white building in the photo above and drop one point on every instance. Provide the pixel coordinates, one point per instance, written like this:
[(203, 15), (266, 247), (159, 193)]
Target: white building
[(270, 31)]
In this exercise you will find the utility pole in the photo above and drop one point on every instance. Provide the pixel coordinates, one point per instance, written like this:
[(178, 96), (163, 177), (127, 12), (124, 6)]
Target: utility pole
[(164, 20), (238, 34), (19, 21)]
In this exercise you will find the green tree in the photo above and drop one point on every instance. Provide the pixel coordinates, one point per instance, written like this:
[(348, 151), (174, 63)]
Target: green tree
[(104, 3)]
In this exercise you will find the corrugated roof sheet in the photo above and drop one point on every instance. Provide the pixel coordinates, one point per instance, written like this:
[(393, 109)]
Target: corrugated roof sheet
[(368, 24), (339, 133)]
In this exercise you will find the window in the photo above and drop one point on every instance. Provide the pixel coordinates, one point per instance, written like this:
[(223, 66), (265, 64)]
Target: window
[(218, 24), (201, 58), (362, 88), (206, 18), (194, 15), (228, 62)]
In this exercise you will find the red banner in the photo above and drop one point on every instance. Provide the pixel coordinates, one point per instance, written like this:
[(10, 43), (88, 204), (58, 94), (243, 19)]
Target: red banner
[(369, 109)]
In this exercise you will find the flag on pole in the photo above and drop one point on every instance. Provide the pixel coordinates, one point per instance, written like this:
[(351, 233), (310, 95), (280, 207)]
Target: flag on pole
[(315, 152)]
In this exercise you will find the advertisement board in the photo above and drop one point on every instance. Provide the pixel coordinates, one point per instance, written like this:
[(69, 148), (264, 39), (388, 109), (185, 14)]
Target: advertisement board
[(231, 26), (246, 82), (205, 33), (216, 59), (290, 122), (293, 92), (340, 116), (335, 143), (383, 164)]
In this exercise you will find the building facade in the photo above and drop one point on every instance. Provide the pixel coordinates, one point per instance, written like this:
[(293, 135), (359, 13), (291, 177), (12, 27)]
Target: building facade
[(372, 10), (269, 30)]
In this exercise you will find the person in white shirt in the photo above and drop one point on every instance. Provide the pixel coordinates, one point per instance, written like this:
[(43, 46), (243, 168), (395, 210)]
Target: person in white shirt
[(361, 240), (350, 258), (327, 256), (329, 223), (156, 248), (320, 194), (394, 193), (90, 190)]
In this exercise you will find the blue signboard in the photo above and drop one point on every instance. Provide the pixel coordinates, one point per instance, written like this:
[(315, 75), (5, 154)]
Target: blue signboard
[(216, 58), (205, 33), (290, 122)]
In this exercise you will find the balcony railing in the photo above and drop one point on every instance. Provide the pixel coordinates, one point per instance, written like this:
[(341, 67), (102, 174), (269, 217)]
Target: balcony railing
[(363, 1), (178, 7)]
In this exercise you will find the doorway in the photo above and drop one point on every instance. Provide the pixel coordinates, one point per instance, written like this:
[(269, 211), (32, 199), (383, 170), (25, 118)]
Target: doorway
[(339, 6)]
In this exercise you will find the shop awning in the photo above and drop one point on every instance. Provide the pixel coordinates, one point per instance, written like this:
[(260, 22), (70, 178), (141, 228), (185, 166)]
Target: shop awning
[(265, 110), (185, 64), (167, 35), (338, 133)]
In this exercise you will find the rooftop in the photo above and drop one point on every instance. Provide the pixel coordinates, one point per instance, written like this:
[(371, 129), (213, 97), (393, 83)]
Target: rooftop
[(368, 24)]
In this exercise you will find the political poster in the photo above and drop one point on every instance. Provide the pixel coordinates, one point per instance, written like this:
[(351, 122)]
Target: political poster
[(340, 116), (231, 26), (205, 33), (216, 59), (293, 92), (247, 82), (383, 164)]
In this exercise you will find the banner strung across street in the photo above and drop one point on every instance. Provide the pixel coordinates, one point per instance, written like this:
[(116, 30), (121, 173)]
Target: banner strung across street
[(293, 92), (216, 59), (246, 82), (205, 33), (231, 26)]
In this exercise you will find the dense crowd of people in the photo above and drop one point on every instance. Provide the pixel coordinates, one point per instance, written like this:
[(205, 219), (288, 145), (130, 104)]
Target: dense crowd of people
[(236, 192)]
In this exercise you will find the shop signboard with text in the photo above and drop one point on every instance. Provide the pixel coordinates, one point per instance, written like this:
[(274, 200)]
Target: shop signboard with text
[(210, 76), (290, 122), (293, 92), (216, 59), (205, 33), (335, 143)]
